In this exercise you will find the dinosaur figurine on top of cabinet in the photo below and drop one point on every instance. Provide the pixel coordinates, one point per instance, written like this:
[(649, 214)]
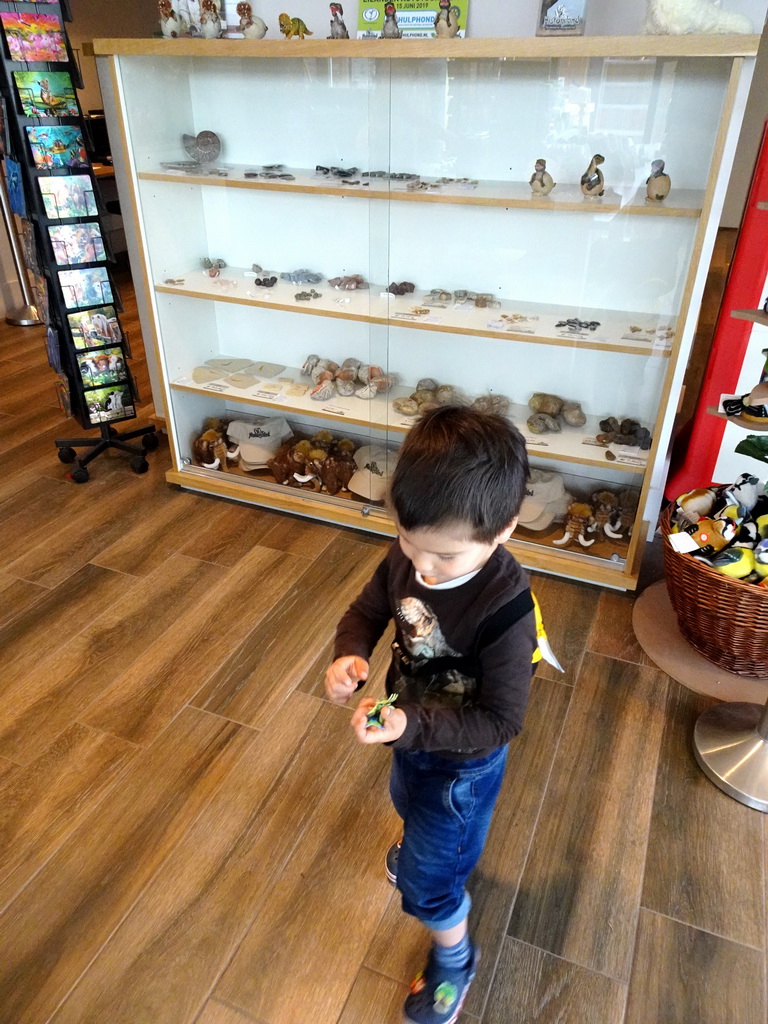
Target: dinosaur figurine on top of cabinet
[(447, 20)]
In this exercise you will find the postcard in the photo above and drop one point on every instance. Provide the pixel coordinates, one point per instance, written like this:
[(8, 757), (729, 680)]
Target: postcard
[(77, 243), (63, 395), (46, 93), (57, 146), (15, 185), (85, 287), (29, 246), (5, 139), (110, 403), (95, 328), (52, 347), (70, 195), (40, 292), (107, 366), (34, 37)]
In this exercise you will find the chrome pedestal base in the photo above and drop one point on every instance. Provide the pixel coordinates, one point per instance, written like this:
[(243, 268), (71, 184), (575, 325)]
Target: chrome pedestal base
[(26, 316), (730, 745)]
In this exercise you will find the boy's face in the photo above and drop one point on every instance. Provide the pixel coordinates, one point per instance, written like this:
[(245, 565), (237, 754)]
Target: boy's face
[(445, 553)]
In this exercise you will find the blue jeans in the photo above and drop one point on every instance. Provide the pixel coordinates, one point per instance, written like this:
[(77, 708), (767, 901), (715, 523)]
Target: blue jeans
[(446, 807)]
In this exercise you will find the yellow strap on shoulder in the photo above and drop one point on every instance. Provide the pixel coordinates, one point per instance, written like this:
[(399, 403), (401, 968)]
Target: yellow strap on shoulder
[(543, 650)]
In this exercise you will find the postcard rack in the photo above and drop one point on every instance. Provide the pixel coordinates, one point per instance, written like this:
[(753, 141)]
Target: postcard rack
[(54, 192)]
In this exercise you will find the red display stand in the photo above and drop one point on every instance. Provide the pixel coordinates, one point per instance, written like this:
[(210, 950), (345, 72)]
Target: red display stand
[(697, 448)]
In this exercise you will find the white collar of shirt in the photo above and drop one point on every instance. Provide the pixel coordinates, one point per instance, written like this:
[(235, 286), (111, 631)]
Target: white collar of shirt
[(449, 584)]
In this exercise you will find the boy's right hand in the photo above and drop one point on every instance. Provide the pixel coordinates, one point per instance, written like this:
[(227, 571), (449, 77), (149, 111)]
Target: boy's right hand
[(342, 677)]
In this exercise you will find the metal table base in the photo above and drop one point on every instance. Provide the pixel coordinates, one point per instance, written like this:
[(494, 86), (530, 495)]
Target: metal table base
[(730, 742)]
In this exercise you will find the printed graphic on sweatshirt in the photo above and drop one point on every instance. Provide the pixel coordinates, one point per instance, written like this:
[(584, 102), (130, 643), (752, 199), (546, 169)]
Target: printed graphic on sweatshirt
[(422, 639)]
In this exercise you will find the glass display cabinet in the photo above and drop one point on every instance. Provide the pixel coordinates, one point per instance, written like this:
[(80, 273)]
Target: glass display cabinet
[(405, 167)]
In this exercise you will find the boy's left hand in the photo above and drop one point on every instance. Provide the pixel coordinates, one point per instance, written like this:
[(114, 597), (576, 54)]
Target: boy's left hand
[(393, 721)]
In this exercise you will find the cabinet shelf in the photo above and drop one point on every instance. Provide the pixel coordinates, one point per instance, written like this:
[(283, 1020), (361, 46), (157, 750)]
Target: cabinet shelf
[(604, 562), (739, 421), (373, 305), (756, 316), (506, 194), (520, 48), (570, 445)]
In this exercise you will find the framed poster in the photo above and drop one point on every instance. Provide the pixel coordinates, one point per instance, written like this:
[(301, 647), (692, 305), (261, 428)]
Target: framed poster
[(85, 287), (561, 18), (413, 19), (70, 195), (95, 328), (34, 37), (46, 93), (77, 243)]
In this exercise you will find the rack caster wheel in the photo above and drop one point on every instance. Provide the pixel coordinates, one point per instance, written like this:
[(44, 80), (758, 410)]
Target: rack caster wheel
[(80, 475), (67, 454), (150, 442), (139, 464)]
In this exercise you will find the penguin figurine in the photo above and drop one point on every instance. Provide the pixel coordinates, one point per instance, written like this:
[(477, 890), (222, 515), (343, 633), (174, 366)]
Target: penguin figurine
[(210, 20), (391, 29), (338, 28), (172, 24), (251, 25), (446, 21), (592, 180), (658, 184), (541, 180)]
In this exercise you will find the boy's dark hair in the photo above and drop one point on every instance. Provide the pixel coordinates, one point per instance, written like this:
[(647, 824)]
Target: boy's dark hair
[(458, 465)]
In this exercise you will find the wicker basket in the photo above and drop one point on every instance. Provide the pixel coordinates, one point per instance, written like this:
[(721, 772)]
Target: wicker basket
[(725, 619)]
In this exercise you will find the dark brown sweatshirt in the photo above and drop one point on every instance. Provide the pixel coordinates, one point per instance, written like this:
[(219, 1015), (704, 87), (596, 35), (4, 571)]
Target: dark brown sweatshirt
[(456, 712)]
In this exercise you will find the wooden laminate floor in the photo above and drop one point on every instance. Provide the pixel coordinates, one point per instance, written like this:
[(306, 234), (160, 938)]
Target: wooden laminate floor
[(188, 832)]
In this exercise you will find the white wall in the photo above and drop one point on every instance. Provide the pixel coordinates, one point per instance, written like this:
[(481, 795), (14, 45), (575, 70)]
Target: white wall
[(113, 19)]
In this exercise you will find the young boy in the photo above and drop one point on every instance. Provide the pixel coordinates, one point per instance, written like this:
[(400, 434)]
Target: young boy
[(461, 668)]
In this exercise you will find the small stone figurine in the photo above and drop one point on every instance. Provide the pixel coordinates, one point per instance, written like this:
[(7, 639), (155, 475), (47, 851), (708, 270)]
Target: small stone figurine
[(446, 20), (657, 184), (292, 27), (338, 28), (251, 25), (210, 19), (391, 29), (592, 180), (541, 180), (172, 24)]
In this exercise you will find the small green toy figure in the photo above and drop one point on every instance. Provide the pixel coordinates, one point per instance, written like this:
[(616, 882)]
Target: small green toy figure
[(373, 718), (291, 27)]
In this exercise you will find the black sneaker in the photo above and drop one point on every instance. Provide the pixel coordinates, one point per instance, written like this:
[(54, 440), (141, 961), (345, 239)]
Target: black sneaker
[(390, 862), (438, 993)]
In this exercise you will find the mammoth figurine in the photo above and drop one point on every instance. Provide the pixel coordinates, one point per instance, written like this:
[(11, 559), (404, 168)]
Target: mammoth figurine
[(210, 450), (579, 521)]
